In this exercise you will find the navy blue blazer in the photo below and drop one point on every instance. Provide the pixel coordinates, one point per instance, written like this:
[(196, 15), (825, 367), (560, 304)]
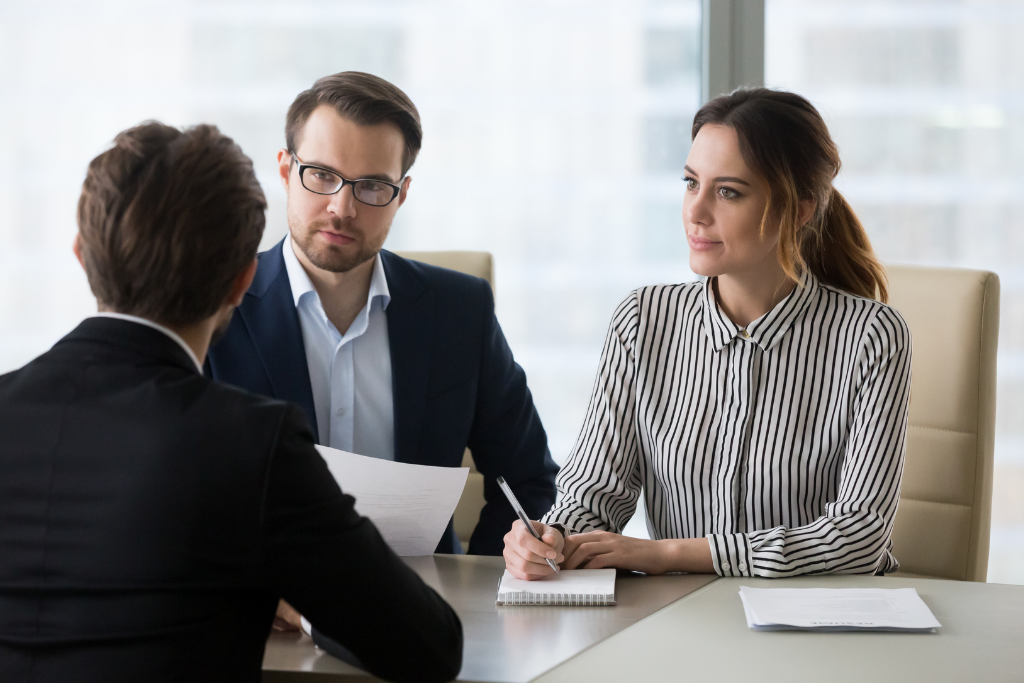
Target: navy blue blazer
[(454, 381)]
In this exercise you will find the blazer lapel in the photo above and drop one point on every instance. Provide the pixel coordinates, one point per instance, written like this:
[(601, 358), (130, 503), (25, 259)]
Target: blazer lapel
[(268, 311), (410, 329)]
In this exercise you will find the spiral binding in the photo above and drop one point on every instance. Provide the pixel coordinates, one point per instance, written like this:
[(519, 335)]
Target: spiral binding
[(563, 599)]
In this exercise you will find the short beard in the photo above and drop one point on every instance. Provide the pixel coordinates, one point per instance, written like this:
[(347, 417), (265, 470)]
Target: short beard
[(327, 257)]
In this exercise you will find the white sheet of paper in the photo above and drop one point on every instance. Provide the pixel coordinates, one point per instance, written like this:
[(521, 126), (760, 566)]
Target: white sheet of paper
[(836, 609), (409, 504)]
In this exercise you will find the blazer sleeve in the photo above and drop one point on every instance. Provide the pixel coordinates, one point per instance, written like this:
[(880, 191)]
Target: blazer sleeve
[(333, 566), (507, 440)]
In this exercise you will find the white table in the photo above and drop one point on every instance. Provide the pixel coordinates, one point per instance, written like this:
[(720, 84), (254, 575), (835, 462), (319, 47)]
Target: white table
[(692, 628), (704, 637)]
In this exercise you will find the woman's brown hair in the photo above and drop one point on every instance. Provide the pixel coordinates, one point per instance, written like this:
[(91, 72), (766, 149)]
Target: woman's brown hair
[(784, 140)]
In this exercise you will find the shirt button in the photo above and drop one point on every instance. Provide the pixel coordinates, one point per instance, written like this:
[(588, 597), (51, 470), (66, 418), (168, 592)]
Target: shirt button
[(725, 566), (341, 412), (744, 334), (743, 566)]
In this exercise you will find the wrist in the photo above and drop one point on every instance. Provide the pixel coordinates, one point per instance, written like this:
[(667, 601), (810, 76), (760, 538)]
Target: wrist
[(672, 555), (687, 555)]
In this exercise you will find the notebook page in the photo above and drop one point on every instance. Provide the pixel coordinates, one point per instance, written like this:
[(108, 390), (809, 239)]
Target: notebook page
[(568, 587)]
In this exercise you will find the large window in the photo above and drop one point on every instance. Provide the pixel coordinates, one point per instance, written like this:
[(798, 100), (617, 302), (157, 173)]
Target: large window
[(566, 126), (555, 135), (926, 102)]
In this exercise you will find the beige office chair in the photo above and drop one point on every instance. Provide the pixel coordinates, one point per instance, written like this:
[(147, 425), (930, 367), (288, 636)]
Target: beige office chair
[(942, 526), (480, 264)]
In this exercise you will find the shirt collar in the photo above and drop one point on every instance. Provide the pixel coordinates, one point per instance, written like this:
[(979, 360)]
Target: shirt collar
[(149, 323), (767, 330), (301, 284)]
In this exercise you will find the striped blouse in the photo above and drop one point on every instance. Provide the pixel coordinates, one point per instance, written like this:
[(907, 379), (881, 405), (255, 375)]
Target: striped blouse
[(782, 443)]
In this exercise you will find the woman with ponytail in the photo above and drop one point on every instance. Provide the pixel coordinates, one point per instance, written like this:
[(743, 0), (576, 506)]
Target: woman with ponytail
[(761, 411)]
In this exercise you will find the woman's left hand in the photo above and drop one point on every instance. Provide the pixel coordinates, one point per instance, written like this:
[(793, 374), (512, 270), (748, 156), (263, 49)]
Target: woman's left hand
[(598, 549)]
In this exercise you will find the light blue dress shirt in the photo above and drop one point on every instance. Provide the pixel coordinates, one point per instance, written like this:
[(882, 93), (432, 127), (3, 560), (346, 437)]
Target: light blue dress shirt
[(350, 374)]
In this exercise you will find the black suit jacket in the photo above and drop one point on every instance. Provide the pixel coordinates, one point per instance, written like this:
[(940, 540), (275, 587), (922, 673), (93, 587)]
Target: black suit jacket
[(455, 383), (151, 518)]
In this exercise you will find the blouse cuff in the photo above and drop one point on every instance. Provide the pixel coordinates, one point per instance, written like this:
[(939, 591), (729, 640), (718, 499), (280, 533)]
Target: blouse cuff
[(731, 554), (575, 522)]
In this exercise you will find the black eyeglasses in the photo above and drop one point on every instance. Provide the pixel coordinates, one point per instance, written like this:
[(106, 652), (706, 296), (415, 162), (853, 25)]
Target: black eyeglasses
[(320, 180)]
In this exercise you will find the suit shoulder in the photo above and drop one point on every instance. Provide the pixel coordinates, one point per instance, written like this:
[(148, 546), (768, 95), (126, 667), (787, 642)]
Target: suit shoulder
[(248, 405)]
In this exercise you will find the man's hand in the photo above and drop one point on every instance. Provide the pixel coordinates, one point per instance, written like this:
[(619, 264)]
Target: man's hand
[(287, 619), (526, 557)]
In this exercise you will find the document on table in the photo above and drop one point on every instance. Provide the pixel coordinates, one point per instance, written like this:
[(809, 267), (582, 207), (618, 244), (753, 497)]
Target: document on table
[(409, 504), (569, 587), (837, 609)]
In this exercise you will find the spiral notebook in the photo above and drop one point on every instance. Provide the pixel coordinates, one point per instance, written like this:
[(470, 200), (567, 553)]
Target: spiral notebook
[(570, 587)]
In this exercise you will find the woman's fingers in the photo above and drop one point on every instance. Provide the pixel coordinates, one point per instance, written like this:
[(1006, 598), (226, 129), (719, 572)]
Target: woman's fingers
[(522, 569), (552, 538), (585, 552), (529, 547), (525, 556)]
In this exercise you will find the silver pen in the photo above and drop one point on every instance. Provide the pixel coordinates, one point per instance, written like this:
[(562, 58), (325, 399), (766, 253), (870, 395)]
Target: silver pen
[(522, 515)]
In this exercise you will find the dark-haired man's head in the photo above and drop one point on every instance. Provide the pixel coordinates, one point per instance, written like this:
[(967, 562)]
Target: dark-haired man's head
[(169, 222), (348, 127)]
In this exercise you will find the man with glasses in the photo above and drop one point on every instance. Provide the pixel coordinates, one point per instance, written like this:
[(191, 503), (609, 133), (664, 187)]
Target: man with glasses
[(388, 358)]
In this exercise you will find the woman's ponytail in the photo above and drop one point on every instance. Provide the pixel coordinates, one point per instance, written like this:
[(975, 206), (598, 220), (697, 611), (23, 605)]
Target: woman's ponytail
[(839, 253)]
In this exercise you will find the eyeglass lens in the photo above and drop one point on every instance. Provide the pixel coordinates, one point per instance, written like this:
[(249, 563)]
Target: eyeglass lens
[(370, 192)]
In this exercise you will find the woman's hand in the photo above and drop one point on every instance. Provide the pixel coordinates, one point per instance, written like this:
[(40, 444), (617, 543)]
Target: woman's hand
[(598, 549), (526, 557)]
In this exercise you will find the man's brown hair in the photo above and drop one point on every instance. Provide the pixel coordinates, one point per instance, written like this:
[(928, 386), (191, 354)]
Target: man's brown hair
[(363, 99), (167, 220)]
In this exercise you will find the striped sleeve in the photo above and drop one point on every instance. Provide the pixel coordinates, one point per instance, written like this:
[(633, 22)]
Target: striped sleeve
[(853, 534), (599, 486)]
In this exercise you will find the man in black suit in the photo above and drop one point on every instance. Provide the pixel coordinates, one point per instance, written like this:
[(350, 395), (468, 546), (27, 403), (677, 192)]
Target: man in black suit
[(388, 357), (150, 518)]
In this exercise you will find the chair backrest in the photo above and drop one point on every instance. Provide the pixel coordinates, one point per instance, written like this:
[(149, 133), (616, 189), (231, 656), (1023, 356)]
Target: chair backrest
[(480, 264), (942, 526)]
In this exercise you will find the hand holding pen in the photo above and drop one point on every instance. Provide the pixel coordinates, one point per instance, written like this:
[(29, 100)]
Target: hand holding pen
[(526, 549)]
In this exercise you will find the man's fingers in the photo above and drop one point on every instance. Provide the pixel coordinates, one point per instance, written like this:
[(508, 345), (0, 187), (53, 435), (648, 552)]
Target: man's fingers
[(287, 614), (282, 625)]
